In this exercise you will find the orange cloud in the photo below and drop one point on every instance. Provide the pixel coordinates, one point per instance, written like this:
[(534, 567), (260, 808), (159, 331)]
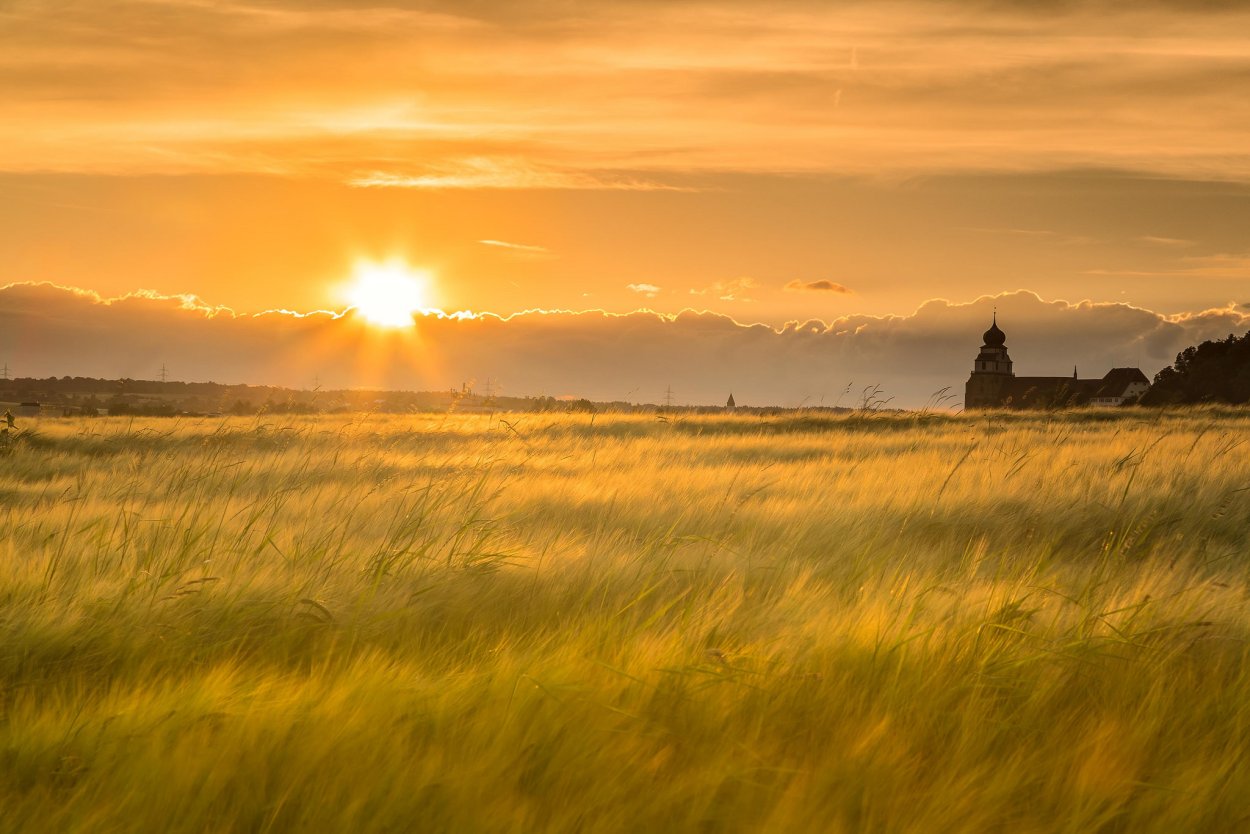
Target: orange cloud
[(525, 248), (737, 289), (816, 286), (1201, 266), (623, 95)]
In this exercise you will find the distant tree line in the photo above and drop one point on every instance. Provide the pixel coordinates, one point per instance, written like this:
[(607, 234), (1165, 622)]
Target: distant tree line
[(1216, 371), (154, 398)]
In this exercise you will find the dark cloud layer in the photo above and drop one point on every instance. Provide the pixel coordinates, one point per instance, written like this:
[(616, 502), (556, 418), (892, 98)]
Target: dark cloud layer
[(53, 331)]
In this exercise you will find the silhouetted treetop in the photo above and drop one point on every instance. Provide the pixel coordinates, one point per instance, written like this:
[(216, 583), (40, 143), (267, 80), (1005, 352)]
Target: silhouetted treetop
[(1217, 371)]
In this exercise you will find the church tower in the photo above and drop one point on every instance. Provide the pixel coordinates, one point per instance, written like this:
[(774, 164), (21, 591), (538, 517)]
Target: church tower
[(990, 371)]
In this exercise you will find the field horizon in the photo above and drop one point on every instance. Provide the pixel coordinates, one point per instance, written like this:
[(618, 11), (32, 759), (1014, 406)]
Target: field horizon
[(914, 622)]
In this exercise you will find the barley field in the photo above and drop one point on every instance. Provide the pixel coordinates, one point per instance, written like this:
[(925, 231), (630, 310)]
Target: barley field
[(515, 623)]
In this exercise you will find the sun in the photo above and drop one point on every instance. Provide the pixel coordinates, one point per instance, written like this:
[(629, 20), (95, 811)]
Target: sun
[(388, 294)]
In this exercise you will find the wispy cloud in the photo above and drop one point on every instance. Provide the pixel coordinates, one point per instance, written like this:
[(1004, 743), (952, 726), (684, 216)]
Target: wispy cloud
[(1048, 235), (647, 290), (520, 247), (508, 174), (1175, 242), (737, 289), (519, 250), (658, 89), (1198, 266), (816, 286), (1235, 265), (1037, 233)]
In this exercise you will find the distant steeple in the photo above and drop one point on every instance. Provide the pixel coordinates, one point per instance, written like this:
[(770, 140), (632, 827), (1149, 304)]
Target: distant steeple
[(991, 371), (730, 402)]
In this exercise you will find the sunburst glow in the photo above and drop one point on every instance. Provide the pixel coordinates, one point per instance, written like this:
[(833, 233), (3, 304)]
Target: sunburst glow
[(388, 294)]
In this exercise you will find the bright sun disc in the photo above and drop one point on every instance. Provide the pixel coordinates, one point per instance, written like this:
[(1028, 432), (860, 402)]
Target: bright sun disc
[(387, 295)]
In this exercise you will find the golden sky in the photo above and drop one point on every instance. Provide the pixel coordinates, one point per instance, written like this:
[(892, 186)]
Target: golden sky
[(769, 161)]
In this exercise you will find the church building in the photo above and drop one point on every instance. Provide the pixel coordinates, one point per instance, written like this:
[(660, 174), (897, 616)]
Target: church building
[(993, 384)]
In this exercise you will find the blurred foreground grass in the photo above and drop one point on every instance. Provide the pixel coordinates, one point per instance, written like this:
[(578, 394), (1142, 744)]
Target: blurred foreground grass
[(989, 623)]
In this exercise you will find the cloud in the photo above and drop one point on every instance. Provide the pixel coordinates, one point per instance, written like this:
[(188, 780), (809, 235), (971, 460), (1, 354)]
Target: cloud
[(1198, 266), (584, 93), (649, 290), (1235, 265), (1166, 241), (1047, 235), (519, 251), (508, 174), (53, 331), (518, 247), (816, 286), (738, 289)]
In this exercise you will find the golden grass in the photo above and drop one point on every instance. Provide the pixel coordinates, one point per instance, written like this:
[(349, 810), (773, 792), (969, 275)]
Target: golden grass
[(988, 623)]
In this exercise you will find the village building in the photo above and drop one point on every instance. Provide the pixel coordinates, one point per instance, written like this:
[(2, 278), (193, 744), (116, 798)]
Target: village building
[(993, 383)]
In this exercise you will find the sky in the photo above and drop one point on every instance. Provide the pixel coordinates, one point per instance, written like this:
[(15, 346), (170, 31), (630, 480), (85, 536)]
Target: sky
[(771, 167)]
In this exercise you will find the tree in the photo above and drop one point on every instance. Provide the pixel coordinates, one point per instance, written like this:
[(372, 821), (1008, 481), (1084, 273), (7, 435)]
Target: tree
[(1215, 371)]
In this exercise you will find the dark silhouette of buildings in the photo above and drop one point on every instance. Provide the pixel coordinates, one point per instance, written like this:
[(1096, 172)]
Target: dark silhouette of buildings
[(993, 383)]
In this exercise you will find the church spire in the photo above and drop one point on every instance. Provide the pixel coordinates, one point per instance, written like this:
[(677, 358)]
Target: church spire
[(994, 337)]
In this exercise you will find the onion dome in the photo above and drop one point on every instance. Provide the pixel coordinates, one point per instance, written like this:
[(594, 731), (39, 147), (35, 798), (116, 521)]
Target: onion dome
[(994, 337)]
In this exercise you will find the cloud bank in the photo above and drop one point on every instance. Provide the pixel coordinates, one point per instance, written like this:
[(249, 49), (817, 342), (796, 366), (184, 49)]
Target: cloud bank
[(47, 330), (536, 94)]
